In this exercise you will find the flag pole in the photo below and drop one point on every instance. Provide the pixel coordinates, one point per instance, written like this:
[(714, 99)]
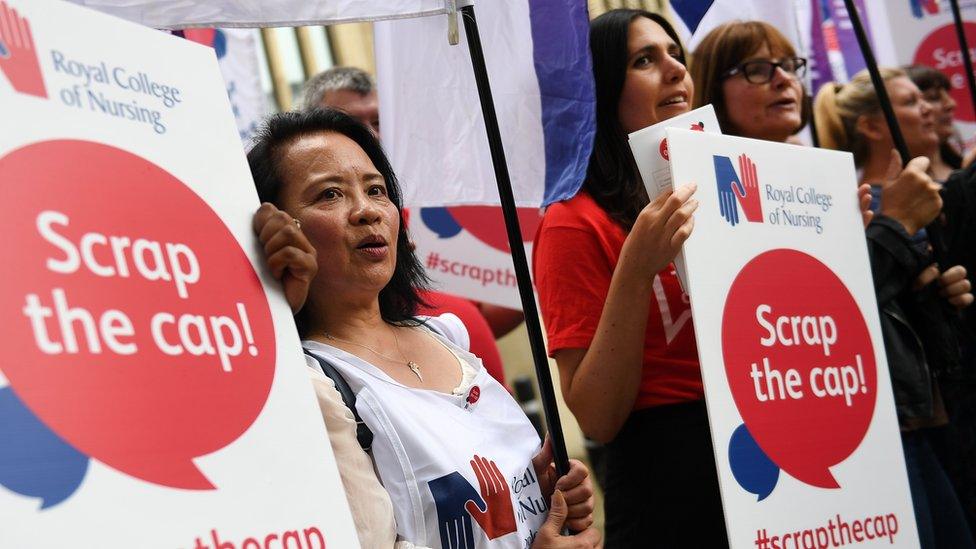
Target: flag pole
[(967, 58), (934, 229), (507, 198)]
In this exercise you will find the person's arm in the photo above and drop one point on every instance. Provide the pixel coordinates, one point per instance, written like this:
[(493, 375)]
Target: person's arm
[(894, 263), (909, 201), (600, 383), (502, 320)]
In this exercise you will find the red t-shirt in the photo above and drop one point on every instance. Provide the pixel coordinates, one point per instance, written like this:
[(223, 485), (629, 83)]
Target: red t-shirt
[(482, 340), (576, 250)]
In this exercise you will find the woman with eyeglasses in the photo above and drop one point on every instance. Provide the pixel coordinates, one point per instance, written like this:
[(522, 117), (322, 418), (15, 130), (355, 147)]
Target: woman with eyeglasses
[(751, 75), (618, 324)]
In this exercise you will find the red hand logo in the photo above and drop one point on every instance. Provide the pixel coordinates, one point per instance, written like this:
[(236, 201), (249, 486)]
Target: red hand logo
[(18, 59), (498, 518), (748, 190)]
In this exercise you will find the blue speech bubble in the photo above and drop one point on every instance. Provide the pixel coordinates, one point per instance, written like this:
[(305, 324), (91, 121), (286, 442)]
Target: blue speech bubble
[(34, 461), (440, 221), (751, 467)]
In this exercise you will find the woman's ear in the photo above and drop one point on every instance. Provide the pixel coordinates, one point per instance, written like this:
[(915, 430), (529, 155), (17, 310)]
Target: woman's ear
[(872, 126)]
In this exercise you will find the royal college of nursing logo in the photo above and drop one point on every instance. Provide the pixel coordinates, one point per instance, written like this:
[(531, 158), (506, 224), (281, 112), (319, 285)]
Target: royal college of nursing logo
[(738, 190), (18, 58)]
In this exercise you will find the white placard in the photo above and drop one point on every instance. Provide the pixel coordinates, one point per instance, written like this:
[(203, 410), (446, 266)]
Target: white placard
[(650, 149), (923, 32), (466, 253), (155, 392), (800, 404)]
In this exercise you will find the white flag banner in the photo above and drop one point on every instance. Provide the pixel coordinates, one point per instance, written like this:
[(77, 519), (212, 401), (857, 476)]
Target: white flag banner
[(237, 55), (537, 57), (178, 14), (696, 18)]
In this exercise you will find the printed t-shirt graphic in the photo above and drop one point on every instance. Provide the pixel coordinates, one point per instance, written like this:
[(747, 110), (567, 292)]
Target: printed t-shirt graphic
[(452, 483)]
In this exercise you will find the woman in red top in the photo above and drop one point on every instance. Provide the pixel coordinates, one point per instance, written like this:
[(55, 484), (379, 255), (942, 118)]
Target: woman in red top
[(619, 326)]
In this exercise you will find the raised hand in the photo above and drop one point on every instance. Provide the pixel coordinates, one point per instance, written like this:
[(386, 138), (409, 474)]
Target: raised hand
[(451, 495), (18, 59), (494, 514), (726, 179), (662, 227), (290, 255), (748, 190), (864, 203), (909, 195)]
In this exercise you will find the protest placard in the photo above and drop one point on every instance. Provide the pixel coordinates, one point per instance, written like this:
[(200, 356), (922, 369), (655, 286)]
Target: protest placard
[(154, 392), (800, 404), (466, 253), (922, 32), (650, 148)]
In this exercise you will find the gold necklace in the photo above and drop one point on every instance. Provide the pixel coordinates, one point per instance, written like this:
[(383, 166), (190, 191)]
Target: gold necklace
[(414, 367)]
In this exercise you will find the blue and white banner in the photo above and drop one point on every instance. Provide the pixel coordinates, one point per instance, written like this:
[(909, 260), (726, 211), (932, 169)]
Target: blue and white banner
[(237, 55), (178, 14), (538, 59), (696, 18)]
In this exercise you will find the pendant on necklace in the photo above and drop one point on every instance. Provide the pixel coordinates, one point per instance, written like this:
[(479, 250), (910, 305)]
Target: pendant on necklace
[(415, 368)]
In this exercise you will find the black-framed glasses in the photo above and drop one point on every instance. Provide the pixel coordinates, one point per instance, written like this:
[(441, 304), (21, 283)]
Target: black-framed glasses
[(760, 71)]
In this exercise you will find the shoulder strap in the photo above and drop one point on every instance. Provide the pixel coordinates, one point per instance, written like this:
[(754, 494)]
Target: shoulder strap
[(363, 434)]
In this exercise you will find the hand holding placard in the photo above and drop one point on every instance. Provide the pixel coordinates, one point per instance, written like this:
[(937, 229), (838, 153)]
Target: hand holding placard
[(290, 256), (662, 227)]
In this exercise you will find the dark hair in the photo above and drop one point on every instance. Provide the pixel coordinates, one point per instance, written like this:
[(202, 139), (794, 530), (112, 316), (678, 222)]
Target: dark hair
[(928, 78), (612, 178), (723, 49), (399, 299)]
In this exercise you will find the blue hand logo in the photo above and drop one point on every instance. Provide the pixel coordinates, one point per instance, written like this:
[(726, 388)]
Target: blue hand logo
[(725, 178), (451, 493), (34, 461)]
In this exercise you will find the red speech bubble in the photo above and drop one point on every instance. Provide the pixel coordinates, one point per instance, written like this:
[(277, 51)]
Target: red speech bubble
[(135, 327), (940, 49), (800, 363)]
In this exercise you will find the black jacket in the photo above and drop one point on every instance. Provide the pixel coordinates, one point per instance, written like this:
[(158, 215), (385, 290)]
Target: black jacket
[(911, 322), (959, 209)]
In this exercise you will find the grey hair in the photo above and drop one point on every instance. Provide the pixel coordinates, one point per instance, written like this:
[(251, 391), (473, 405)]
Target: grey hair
[(335, 79)]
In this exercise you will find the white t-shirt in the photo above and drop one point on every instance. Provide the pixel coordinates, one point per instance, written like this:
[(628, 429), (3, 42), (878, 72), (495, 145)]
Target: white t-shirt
[(457, 467)]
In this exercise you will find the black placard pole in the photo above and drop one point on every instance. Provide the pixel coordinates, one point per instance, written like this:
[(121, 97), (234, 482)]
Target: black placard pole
[(934, 229), (967, 58), (507, 198), (879, 84)]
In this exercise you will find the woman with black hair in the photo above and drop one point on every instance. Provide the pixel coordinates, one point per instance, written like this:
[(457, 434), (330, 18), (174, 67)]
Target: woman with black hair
[(935, 87), (460, 461), (618, 323)]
